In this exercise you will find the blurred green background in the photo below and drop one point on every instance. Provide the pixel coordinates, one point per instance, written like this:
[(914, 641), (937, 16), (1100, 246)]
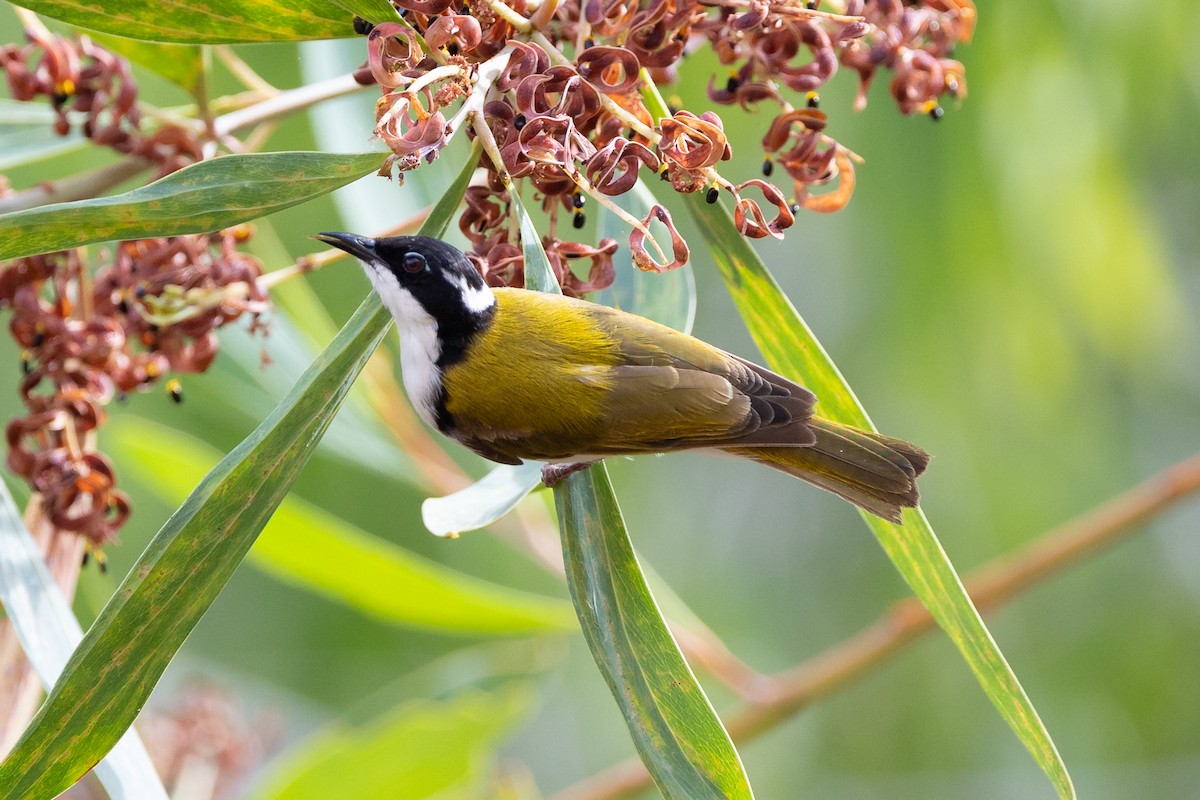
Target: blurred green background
[(1014, 288)]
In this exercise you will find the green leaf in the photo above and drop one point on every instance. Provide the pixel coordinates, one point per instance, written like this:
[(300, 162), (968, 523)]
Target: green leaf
[(203, 197), (417, 750), (375, 11), (676, 730), (205, 21), (791, 349), (48, 632), (182, 64), (315, 550), (539, 277), (178, 576), (483, 502)]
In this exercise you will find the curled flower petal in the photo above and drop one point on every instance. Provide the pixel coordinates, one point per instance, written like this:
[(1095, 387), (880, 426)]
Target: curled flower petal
[(460, 29), (780, 131), (755, 225), (839, 197), (600, 274), (612, 70), (613, 169), (693, 143), (637, 243), (526, 59), (392, 48)]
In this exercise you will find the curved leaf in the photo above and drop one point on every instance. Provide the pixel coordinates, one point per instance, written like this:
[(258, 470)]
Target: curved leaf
[(483, 502), (676, 730), (178, 576), (203, 197), (48, 632), (205, 21), (791, 349)]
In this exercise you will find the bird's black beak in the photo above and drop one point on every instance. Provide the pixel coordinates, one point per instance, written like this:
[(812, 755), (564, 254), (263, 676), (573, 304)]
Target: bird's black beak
[(361, 247)]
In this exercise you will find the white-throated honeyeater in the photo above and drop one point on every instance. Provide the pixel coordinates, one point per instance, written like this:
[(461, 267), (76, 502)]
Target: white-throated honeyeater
[(515, 374)]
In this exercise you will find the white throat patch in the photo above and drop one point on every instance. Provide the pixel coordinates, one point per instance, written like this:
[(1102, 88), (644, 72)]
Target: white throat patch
[(420, 347)]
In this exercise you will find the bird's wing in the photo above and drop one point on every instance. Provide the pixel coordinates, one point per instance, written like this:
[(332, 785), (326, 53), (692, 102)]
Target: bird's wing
[(672, 391)]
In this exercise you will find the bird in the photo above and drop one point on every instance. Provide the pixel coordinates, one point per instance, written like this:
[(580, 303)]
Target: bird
[(519, 375)]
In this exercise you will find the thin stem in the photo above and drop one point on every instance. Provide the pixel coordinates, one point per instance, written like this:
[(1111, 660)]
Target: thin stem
[(288, 102), (989, 586), (510, 16)]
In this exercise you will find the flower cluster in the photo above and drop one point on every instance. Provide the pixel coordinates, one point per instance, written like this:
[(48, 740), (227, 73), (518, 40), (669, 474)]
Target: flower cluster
[(77, 75), (148, 313), (564, 94)]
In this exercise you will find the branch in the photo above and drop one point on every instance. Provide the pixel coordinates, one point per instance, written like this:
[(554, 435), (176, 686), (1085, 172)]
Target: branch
[(990, 586)]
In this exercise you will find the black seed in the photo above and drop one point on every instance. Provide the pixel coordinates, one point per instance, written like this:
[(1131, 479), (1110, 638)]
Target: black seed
[(589, 43), (731, 85), (362, 27), (665, 175), (814, 100), (86, 556), (794, 208), (26, 364), (452, 48), (175, 389), (519, 121), (579, 221), (768, 167), (811, 5), (711, 196), (578, 200), (123, 306), (38, 338), (936, 113)]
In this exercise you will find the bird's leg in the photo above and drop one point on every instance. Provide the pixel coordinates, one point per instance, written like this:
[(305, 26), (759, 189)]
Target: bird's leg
[(554, 473)]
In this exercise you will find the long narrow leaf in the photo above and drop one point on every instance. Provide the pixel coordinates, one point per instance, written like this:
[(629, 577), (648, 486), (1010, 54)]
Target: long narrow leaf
[(205, 22), (48, 632), (202, 197), (676, 730), (790, 347), (674, 727), (176, 579)]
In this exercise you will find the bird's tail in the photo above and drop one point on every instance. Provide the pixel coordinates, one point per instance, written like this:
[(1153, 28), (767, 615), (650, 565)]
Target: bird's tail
[(873, 471)]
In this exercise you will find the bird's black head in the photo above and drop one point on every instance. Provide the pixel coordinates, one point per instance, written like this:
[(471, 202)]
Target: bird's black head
[(437, 276)]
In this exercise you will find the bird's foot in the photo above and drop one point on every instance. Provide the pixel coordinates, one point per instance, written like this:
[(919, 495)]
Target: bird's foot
[(555, 473)]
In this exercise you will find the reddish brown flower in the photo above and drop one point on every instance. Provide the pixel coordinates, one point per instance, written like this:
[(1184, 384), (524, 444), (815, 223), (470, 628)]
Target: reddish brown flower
[(637, 243)]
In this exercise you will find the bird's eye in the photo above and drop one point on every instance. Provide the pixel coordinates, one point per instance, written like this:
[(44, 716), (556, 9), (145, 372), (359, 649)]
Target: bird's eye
[(413, 262)]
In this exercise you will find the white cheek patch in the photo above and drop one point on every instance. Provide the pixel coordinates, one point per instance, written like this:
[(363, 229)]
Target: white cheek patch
[(419, 345), (476, 299)]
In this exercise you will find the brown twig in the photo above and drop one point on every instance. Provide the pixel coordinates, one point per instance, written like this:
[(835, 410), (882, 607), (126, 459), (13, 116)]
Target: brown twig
[(990, 586)]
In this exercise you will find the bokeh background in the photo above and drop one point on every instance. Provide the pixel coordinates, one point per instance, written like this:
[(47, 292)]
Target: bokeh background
[(1014, 287)]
